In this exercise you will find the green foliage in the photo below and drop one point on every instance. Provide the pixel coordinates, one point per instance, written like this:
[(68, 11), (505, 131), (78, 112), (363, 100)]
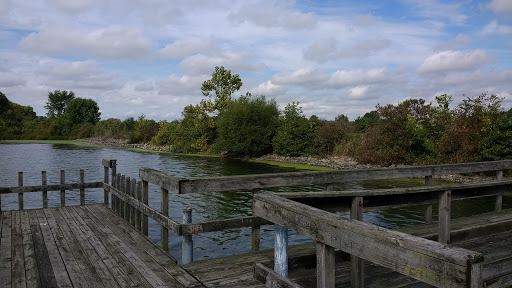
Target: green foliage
[(195, 132), (246, 127), (367, 121), (16, 120), (166, 133), (145, 130), (497, 144), (81, 111), (4, 103), (57, 102), (296, 134), (333, 133), (219, 88)]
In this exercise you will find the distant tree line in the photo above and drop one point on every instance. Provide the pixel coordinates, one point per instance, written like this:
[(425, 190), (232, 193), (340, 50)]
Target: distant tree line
[(412, 132)]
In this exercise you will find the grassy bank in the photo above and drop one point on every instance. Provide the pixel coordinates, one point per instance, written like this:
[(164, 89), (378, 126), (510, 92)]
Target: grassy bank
[(69, 142), (292, 165)]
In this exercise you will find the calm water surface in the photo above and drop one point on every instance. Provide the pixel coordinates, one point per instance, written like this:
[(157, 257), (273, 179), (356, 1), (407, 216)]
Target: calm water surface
[(31, 159)]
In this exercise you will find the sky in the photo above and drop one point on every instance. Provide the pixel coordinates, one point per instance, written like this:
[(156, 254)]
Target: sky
[(333, 57)]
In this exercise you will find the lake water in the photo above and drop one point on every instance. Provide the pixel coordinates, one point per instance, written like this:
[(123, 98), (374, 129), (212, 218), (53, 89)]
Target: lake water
[(31, 159)]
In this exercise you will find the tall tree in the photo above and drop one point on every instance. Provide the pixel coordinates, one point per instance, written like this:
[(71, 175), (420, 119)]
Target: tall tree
[(57, 102), (80, 111), (219, 88), (4, 103)]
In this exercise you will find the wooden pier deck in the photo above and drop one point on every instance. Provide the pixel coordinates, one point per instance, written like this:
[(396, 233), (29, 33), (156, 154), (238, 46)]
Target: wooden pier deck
[(81, 246)]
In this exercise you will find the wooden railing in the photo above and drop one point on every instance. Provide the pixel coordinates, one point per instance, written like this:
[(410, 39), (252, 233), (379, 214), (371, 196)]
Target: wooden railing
[(45, 187)]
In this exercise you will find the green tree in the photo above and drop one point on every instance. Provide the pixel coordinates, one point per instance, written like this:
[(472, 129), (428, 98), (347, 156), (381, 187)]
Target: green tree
[(4, 103), (145, 130), (166, 133), (57, 102), (296, 134), (80, 111), (365, 122), (219, 89), (332, 133), (246, 127)]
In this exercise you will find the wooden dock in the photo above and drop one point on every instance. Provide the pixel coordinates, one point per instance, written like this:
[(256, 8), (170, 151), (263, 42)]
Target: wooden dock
[(82, 246), (107, 245)]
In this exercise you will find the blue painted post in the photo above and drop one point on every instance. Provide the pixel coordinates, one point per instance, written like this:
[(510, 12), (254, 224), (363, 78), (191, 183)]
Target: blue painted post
[(281, 250), (187, 246)]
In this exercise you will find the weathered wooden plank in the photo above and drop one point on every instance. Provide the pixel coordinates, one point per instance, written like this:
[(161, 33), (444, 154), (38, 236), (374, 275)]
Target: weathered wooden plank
[(444, 217), (82, 191), (325, 266), (164, 209), (90, 252), (281, 250), (356, 263), (224, 183), (187, 243), (272, 279), (138, 270), (161, 179), (51, 187), (146, 210), (108, 254), (57, 263), (163, 259), (419, 258), (63, 191), (18, 258), (497, 269), (5, 249), (220, 225), (31, 269), (86, 267), (44, 264), (45, 192)]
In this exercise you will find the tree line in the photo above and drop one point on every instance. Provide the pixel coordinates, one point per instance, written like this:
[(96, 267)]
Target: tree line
[(411, 132)]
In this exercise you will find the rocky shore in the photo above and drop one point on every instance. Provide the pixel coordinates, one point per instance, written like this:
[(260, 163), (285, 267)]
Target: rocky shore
[(334, 162)]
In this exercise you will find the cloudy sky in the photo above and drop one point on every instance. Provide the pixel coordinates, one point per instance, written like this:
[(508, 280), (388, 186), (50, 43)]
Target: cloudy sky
[(334, 57)]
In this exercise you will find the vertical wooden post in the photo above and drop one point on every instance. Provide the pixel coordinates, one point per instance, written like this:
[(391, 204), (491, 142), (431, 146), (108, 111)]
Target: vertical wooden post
[(138, 218), (82, 191), (118, 187), (121, 202), (281, 250), (105, 181), (187, 246), (444, 217), (127, 191), (20, 195), (113, 171), (428, 208), (133, 211), (499, 198), (164, 209), (476, 276), (62, 192), (145, 200), (329, 187), (256, 236), (325, 265), (45, 193), (357, 264)]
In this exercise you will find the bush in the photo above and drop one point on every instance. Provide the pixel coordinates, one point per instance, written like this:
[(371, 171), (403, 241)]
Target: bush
[(246, 127)]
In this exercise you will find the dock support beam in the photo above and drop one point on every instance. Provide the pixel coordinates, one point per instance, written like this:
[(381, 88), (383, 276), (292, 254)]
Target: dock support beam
[(281, 250), (499, 198), (256, 234), (428, 208), (325, 266), (187, 246), (20, 195), (357, 264), (164, 209), (45, 193), (444, 217)]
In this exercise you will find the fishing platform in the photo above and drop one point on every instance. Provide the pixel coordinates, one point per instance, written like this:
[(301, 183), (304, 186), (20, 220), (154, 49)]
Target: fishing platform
[(107, 244)]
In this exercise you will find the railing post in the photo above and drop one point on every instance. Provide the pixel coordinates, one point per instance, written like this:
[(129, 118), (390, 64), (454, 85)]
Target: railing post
[(62, 192), (499, 198), (164, 209), (281, 250), (20, 195), (145, 200), (121, 202), (256, 236), (428, 208), (118, 187), (325, 266), (444, 217), (126, 191), (133, 211), (45, 193), (82, 191), (357, 264), (187, 246), (105, 181), (138, 215), (113, 171)]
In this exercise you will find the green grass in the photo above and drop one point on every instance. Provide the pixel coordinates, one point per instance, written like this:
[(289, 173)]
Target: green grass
[(70, 142), (296, 166)]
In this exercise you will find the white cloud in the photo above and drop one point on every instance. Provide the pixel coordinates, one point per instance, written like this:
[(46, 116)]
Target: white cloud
[(114, 42), (186, 47), (305, 76), (75, 5), (328, 49), (359, 91), (500, 6), (204, 64), (436, 10), (9, 79), (344, 78), (268, 89), (495, 28), (453, 60), (460, 40)]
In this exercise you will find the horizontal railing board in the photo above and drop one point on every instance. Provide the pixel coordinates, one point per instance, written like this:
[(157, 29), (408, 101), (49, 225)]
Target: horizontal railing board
[(226, 183), (52, 187), (424, 260), (163, 220), (271, 279), (219, 225)]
